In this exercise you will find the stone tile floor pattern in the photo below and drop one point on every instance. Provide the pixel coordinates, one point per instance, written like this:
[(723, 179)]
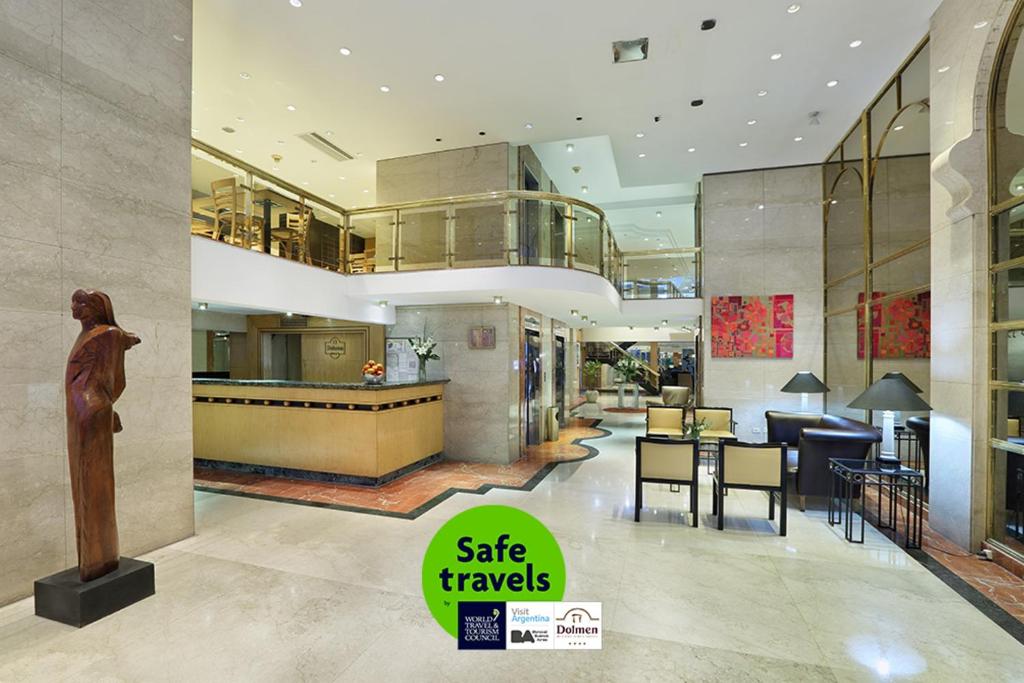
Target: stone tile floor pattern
[(409, 495), (274, 592)]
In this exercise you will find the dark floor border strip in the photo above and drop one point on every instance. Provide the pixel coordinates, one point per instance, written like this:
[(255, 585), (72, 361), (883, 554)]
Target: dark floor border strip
[(528, 485), (976, 598)]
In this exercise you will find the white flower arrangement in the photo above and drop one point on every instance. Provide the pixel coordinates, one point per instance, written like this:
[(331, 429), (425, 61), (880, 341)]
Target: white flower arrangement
[(424, 347)]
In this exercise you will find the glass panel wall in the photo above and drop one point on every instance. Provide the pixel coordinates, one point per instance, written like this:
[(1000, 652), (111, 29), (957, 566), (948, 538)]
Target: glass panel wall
[(1006, 171)]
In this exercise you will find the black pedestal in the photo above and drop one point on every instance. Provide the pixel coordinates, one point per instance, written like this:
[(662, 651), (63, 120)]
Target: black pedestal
[(64, 598)]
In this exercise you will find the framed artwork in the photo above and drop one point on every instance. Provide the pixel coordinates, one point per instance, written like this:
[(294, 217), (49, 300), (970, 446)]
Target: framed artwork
[(752, 326), (900, 327), (481, 338)]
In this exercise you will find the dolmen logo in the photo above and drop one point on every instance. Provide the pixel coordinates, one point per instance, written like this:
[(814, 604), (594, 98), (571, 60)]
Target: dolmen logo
[(578, 626)]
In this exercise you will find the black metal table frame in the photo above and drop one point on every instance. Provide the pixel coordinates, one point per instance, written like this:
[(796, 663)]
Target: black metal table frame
[(844, 482)]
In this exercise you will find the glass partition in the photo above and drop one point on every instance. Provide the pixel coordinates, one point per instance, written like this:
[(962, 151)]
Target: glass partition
[(660, 275), (479, 234), (587, 240)]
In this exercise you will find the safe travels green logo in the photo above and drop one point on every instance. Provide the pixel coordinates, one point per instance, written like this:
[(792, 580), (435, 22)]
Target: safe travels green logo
[(491, 553)]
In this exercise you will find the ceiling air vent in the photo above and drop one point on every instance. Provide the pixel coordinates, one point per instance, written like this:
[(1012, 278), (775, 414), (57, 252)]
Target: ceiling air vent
[(629, 50), (326, 146), (291, 321)]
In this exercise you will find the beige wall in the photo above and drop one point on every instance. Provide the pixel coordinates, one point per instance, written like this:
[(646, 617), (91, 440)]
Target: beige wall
[(957, 495), (481, 402), (774, 250), (94, 185)]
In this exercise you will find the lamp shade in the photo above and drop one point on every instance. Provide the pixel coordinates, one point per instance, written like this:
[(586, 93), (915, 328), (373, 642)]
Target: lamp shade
[(903, 378), (804, 383), (889, 393)]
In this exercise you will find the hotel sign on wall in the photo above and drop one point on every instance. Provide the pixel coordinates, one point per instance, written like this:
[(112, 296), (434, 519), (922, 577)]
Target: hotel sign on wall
[(334, 347)]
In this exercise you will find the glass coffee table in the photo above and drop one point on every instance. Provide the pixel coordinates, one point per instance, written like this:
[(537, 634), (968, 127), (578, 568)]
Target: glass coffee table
[(849, 483)]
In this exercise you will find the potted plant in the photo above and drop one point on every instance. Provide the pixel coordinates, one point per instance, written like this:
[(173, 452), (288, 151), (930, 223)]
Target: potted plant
[(694, 429), (629, 370), (592, 379), (424, 347)]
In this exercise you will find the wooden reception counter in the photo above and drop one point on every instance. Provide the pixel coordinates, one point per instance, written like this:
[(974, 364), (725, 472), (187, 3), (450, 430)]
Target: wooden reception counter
[(346, 432)]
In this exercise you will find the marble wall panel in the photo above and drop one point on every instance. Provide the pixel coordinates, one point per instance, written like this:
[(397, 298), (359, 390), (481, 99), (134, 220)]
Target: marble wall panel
[(94, 185)]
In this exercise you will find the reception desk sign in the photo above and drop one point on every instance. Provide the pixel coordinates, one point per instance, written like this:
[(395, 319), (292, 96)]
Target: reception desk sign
[(494, 578)]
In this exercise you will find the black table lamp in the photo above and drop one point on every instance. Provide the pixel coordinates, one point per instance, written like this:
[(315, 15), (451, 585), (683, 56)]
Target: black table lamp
[(890, 394), (903, 378), (804, 383)]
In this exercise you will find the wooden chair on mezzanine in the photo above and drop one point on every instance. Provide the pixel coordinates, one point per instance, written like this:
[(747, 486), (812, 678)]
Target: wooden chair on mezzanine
[(756, 466), (230, 220), (293, 235), (666, 461)]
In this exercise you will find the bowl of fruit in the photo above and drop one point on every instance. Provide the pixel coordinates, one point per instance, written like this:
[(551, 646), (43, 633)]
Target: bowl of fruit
[(373, 372)]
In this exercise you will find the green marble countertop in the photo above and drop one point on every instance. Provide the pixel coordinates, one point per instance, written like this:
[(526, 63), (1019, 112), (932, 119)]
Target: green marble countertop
[(207, 381)]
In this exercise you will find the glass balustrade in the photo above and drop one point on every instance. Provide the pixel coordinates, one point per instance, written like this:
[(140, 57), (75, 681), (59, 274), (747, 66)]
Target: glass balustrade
[(244, 206)]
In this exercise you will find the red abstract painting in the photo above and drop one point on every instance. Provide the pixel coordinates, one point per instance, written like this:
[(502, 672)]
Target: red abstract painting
[(752, 326), (900, 327)]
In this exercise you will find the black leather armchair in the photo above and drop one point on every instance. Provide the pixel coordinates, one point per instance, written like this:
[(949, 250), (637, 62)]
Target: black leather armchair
[(818, 438)]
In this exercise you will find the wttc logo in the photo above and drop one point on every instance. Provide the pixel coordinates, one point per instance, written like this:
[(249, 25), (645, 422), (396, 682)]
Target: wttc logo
[(530, 626)]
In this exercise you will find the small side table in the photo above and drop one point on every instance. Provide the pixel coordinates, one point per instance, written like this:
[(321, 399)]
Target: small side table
[(849, 481)]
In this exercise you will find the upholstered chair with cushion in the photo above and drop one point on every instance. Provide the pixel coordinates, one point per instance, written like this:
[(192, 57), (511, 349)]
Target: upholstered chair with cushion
[(757, 466), (666, 461), (718, 421), (665, 421), (818, 438), (675, 396)]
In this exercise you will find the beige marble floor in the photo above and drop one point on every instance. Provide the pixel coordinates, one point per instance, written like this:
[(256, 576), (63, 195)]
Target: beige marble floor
[(275, 592)]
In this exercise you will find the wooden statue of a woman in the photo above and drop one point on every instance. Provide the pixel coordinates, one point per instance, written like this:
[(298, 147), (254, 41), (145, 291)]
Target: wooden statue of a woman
[(94, 381)]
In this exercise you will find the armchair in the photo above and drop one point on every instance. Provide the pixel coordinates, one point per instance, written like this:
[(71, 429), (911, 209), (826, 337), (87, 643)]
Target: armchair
[(666, 461)]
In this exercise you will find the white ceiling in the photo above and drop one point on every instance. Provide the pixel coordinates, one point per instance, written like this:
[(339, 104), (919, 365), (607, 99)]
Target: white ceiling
[(544, 63)]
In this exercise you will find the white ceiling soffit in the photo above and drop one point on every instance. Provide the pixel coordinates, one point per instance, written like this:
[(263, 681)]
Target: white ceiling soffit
[(544, 64)]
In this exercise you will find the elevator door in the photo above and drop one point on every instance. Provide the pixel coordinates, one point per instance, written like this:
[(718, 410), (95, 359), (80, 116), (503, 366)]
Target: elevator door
[(532, 385), (560, 379)]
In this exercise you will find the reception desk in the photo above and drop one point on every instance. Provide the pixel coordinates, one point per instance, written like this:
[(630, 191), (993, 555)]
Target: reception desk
[(357, 433)]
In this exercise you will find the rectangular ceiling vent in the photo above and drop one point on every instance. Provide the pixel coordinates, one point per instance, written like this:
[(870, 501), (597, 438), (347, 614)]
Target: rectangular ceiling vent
[(293, 321), (629, 50), (326, 146)]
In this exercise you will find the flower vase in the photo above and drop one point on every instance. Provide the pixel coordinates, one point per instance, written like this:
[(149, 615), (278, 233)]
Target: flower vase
[(422, 370)]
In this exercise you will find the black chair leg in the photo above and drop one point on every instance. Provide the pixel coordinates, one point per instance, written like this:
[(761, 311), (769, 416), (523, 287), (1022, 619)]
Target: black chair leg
[(771, 505), (782, 513), (693, 503), (638, 500), (721, 510), (714, 497)]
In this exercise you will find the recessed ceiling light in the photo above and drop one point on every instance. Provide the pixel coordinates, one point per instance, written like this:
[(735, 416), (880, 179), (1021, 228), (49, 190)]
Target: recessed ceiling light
[(341, 177), (305, 182), (658, 214), (328, 133), (204, 306), (647, 239), (383, 303), (708, 24), (760, 207), (194, 131), (584, 189), (798, 138), (227, 129), (498, 300), (528, 126), (593, 323), (570, 147), (385, 88), (345, 51), (579, 118), (856, 43), (744, 144), (240, 119), (776, 56), (483, 132), (899, 127), (245, 75), (696, 103), (438, 77), (641, 155), (692, 149), (793, 9), (437, 139), (295, 3), (331, 195), (177, 37), (981, 24), (639, 134), (832, 84), (290, 107), (751, 122), (365, 191), (574, 313), (762, 93), (943, 69)]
